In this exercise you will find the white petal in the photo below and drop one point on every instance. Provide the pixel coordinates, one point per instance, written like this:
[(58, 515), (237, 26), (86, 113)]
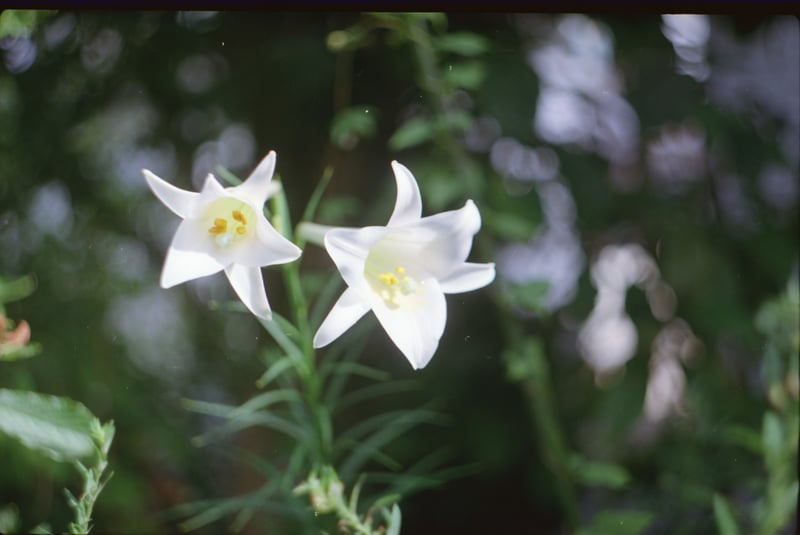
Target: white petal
[(349, 308), (416, 327), (349, 249), (189, 256), (180, 201), (258, 185), (408, 205), (467, 277), (211, 191), (267, 247), (249, 286), (440, 242)]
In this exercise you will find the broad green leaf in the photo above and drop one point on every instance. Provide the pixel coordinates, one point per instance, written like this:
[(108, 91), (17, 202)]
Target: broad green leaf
[(510, 226), (19, 22), (464, 43), (58, 427), (467, 75), (351, 124), (9, 518), (17, 288), (726, 524), (413, 132), (42, 529), (531, 295), (25, 352), (598, 474)]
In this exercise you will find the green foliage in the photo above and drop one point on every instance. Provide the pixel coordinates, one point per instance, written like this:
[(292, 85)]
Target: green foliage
[(462, 43), (21, 22), (351, 124), (466, 75), (93, 479), (598, 474), (723, 514), (618, 523), (13, 290), (512, 382), (413, 132)]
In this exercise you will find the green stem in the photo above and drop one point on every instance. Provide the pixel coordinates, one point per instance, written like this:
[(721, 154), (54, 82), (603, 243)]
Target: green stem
[(310, 379)]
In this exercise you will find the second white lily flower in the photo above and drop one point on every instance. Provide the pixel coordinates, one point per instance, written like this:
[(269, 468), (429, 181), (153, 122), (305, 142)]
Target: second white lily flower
[(225, 229), (401, 271)]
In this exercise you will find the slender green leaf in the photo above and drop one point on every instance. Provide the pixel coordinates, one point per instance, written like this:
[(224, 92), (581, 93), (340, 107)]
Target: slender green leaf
[(745, 437), (324, 300), (618, 523), (254, 404), (370, 392), (58, 427), (339, 353), (274, 370), (364, 450), (262, 419), (241, 520), (723, 514), (772, 440), (283, 340), (394, 521), (227, 176), (286, 326), (316, 196)]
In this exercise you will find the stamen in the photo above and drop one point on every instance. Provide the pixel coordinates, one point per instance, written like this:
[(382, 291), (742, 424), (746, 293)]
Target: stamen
[(220, 226), (239, 216), (241, 229), (400, 269), (390, 279)]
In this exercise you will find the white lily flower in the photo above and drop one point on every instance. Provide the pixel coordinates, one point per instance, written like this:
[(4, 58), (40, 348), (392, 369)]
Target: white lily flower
[(225, 229), (401, 271)]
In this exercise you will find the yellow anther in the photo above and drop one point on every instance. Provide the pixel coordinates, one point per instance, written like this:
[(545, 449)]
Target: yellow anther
[(239, 216), (241, 229), (400, 269), (390, 279), (220, 226)]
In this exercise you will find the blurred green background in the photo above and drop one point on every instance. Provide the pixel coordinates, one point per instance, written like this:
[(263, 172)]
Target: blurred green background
[(638, 183)]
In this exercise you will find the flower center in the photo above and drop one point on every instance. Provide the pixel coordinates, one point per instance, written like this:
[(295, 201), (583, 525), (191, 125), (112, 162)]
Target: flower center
[(230, 221), (394, 286)]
